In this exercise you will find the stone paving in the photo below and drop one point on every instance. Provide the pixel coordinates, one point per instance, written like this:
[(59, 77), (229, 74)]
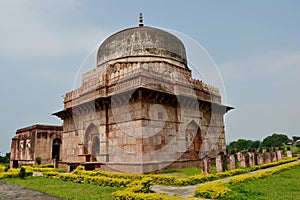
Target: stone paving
[(10, 191)]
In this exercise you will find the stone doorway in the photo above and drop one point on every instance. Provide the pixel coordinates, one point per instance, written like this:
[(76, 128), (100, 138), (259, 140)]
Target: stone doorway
[(56, 149), (95, 147), (193, 141), (92, 142)]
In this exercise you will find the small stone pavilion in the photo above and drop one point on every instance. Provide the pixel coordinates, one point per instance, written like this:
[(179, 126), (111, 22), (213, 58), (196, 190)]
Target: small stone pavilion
[(140, 110), (35, 141)]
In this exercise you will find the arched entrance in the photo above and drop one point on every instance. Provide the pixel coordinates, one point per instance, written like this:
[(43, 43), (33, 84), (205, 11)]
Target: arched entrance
[(193, 141), (92, 142), (56, 149), (95, 146)]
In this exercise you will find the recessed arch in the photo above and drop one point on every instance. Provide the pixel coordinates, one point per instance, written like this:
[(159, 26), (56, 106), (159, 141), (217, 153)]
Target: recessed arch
[(95, 146), (56, 148), (91, 140), (193, 140)]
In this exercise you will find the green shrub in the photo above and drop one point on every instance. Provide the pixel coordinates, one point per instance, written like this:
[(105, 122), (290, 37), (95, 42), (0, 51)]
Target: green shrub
[(38, 160), (22, 173)]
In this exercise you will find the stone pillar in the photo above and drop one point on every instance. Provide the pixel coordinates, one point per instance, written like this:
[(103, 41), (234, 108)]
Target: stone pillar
[(260, 158), (251, 158), (255, 158), (268, 158), (239, 155), (233, 161), (274, 155), (289, 153), (206, 165), (221, 163), (279, 154), (245, 160)]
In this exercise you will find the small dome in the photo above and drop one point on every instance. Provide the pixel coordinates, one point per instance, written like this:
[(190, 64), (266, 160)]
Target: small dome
[(142, 41)]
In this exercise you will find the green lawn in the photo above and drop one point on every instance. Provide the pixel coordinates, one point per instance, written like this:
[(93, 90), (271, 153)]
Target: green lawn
[(285, 185), (62, 189)]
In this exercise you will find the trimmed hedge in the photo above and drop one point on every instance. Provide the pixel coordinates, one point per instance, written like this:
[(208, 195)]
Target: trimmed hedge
[(128, 195), (14, 173), (212, 190)]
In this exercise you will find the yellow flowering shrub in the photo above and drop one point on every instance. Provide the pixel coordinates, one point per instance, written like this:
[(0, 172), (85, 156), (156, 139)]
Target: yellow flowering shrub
[(37, 169), (2, 167), (212, 190), (128, 195), (50, 174)]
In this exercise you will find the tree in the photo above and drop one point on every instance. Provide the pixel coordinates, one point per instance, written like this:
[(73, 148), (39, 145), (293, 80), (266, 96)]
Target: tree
[(232, 145), (255, 144), (276, 140), (295, 138), (242, 144), (5, 159)]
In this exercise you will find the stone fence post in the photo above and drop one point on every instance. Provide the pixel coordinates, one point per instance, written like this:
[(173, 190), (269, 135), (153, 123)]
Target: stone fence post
[(245, 160), (233, 160), (274, 155), (289, 153), (221, 162), (279, 154), (268, 156), (206, 165)]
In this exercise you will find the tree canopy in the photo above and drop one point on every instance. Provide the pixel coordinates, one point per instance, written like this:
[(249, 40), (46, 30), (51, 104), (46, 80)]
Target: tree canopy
[(275, 140), (5, 159)]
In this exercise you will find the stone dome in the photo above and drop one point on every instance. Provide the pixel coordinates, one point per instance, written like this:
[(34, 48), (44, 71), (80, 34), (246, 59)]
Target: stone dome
[(142, 41)]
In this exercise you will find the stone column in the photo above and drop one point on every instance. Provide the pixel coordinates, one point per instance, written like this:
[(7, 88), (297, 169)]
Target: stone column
[(274, 155), (221, 163), (245, 160), (233, 161), (279, 154), (268, 158), (239, 155), (260, 158), (289, 153), (251, 158), (206, 165), (255, 158)]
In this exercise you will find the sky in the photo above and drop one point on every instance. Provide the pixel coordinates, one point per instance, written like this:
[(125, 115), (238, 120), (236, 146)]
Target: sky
[(255, 46)]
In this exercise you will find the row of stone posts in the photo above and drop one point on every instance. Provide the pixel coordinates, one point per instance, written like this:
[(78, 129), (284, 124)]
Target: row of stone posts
[(246, 159)]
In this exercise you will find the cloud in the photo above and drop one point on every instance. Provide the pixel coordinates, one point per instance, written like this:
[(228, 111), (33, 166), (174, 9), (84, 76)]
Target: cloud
[(38, 28)]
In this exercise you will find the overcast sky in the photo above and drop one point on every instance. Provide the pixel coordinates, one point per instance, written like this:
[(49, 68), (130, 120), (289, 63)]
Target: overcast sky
[(255, 45)]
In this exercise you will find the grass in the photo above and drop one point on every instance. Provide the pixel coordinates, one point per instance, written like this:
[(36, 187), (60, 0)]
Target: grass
[(62, 189), (284, 185)]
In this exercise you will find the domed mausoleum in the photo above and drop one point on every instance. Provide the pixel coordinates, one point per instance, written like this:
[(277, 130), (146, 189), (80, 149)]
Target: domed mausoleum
[(140, 109)]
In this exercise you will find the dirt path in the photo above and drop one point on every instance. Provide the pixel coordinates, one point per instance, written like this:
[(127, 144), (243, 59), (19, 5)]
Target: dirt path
[(10, 191), (189, 191)]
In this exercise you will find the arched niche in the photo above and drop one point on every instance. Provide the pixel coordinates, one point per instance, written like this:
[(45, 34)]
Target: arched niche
[(56, 148)]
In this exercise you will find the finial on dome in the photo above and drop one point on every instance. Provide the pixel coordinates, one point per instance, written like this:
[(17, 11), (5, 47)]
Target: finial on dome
[(141, 19)]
